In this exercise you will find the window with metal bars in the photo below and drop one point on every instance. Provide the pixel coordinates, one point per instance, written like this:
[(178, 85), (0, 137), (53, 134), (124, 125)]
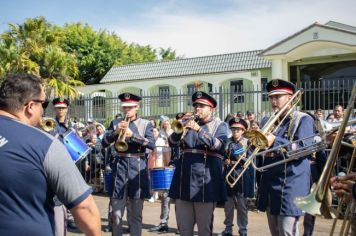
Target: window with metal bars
[(164, 97), (264, 82), (237, 88), (99, 107)]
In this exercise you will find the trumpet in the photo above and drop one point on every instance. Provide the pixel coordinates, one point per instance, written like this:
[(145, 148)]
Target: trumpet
[(120, 143), (48, 124), (259, 140), (178, 126), (316, 203)]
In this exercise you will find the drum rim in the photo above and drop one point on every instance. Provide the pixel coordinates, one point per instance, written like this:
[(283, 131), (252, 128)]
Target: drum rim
[(86, 153), (160, 168)]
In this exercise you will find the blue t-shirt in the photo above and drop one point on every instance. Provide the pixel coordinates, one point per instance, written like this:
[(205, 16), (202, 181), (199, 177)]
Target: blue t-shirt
[(34, 167)]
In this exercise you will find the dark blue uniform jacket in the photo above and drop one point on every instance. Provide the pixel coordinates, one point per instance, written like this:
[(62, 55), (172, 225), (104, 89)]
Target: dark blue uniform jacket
[(198, 176), (280, 185), (131, 172), (245, 187)]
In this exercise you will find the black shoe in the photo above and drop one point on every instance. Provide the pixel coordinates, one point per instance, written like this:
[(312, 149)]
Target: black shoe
[(163, 229), (71, 224), (225, 234), (159, 228), (107, 229), (177, 231), (126, 230)]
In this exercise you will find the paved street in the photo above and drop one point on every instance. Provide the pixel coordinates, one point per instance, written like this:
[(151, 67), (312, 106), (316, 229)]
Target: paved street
[(257, 221)]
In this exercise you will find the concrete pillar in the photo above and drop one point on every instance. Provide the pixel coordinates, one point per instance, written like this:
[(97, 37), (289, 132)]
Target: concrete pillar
[(280, 69)]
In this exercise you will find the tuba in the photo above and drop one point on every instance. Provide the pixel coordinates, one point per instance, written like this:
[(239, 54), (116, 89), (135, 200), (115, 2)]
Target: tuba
[(120, 143), (259, 140), (316, 203)]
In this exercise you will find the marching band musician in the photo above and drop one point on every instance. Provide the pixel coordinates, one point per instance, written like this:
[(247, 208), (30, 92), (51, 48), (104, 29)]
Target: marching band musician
[(281, 184), (63, 217), (61, 109), (237, 196), (198, 181), (130, 174)]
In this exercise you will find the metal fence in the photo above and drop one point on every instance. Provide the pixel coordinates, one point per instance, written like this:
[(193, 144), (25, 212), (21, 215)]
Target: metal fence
[(103, 105)]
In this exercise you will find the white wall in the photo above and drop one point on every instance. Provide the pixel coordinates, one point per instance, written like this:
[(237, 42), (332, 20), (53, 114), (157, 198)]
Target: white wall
[(178, 82)]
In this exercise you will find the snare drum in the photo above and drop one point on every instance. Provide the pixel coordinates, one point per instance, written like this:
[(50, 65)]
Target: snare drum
[(75, 146), (161, 178)]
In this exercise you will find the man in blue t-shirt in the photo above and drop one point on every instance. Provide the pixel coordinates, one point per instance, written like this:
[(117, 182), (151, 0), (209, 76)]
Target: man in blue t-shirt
[(34, 166)]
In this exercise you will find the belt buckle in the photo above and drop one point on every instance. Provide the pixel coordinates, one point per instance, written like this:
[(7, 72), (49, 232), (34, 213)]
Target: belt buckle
[(194, 151)]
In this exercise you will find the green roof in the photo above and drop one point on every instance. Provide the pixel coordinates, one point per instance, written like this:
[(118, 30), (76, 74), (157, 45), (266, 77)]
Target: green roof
[(232, 62)]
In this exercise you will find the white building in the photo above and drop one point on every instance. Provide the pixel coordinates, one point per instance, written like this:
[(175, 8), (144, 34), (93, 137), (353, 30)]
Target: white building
[(319, 53)]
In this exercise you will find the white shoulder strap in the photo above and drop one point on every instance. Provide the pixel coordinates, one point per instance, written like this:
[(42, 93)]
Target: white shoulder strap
[(141, 125)]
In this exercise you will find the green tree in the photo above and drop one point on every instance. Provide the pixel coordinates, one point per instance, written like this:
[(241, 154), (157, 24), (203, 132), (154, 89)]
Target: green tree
[(96, 52), (33, 47), (61, 55), (167, 54), (138, 54)]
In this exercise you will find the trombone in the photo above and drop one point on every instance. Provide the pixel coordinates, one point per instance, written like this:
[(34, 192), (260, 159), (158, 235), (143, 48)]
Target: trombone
[(259, 140), (120, 143), (324, 129), (316, 202)]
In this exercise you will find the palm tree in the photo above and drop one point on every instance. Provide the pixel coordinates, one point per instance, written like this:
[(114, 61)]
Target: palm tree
[(33, 47), (59, 71)]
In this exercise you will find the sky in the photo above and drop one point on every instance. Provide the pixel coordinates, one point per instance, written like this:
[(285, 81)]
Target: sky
[(190, 27)]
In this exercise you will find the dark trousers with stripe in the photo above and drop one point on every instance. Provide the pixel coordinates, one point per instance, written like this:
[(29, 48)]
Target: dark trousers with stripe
[(190, 213), (283, 225)]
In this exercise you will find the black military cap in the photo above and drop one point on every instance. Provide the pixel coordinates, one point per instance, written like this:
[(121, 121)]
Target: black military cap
[(278, 86), (203, 98), (60, 102), (129, 99), (238, 123)]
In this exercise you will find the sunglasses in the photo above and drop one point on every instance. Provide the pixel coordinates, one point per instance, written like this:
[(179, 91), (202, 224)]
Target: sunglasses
[(44, 103)]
